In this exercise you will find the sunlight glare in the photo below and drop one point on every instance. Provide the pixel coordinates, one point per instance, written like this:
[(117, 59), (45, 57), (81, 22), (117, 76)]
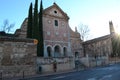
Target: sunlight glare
[(117, 30)]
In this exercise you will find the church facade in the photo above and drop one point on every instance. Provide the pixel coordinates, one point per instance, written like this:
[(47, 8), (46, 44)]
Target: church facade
[(61, 44), (59, 39)]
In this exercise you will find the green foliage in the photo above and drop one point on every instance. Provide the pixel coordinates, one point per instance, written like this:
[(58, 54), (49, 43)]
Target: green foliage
[(35, 27), (40, 38), (116, 45), (30, 22), (35, 20)]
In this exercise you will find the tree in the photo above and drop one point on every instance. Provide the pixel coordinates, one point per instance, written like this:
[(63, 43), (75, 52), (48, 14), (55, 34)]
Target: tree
[(40, 38), (115, 45), (84, 31), (30, 22), (6, 26), (35, 27), (35, 21)]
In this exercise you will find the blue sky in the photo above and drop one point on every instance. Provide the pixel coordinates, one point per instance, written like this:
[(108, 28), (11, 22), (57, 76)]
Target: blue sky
[(94, 13)]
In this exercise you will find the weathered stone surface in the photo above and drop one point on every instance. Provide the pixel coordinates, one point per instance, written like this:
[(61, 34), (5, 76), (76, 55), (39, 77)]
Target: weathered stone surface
[(1, 49), (67, 63), (17, 70), (61, 36), (6, 60), (17, 56)]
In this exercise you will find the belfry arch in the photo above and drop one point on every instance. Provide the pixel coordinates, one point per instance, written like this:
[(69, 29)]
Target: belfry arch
[(64, 51)]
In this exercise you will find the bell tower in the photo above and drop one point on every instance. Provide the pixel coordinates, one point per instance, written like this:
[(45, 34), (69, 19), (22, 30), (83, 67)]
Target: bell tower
[(111, 27)]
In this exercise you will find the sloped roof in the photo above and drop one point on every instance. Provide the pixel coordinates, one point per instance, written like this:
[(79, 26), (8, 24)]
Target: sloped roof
[(55, 5), (97, 39)]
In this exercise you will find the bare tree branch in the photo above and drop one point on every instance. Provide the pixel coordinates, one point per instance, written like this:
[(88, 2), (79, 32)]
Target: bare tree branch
[(6, 26), (10, 27), (84, 31)]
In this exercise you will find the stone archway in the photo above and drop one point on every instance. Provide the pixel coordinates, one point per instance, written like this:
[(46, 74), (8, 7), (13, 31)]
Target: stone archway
[(49, 51), (57, 51), (64, 51), (76, 54)]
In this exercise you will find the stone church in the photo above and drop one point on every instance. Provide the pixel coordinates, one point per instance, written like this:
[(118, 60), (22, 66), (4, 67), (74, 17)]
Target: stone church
[(61, 45), (59, 39)]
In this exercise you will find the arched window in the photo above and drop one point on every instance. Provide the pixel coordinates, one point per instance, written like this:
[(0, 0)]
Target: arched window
[(49, 50), (57, 51), (65, 51), (56, 23)]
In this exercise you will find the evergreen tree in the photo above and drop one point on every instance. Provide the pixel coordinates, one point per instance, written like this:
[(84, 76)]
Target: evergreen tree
[(35, 21), (116, 45), (40, 47), (29, 25)]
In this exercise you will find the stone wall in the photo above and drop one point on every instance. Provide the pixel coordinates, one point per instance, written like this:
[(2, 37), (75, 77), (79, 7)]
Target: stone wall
[(98, 47), (62, 63), (76, 44), (92, 62), (17, 55), (98, 50)]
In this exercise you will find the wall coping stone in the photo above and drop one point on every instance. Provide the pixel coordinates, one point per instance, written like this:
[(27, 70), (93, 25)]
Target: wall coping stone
[(16, 39)]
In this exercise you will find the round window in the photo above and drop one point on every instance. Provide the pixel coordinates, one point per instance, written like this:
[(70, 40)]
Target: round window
[(55, 12)]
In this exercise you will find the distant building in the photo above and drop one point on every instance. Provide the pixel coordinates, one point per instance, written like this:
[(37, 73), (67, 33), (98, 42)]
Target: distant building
[(100, 48)]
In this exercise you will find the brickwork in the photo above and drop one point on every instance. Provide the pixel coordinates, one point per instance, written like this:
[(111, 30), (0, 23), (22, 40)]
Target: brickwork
[(56, 35), (60, 35), (59, 40), (61, 44), (17, 55), (98, 47), (76, 44)]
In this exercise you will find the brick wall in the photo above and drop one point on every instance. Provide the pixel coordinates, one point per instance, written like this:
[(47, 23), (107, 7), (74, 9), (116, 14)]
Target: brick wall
[(17, 55)]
